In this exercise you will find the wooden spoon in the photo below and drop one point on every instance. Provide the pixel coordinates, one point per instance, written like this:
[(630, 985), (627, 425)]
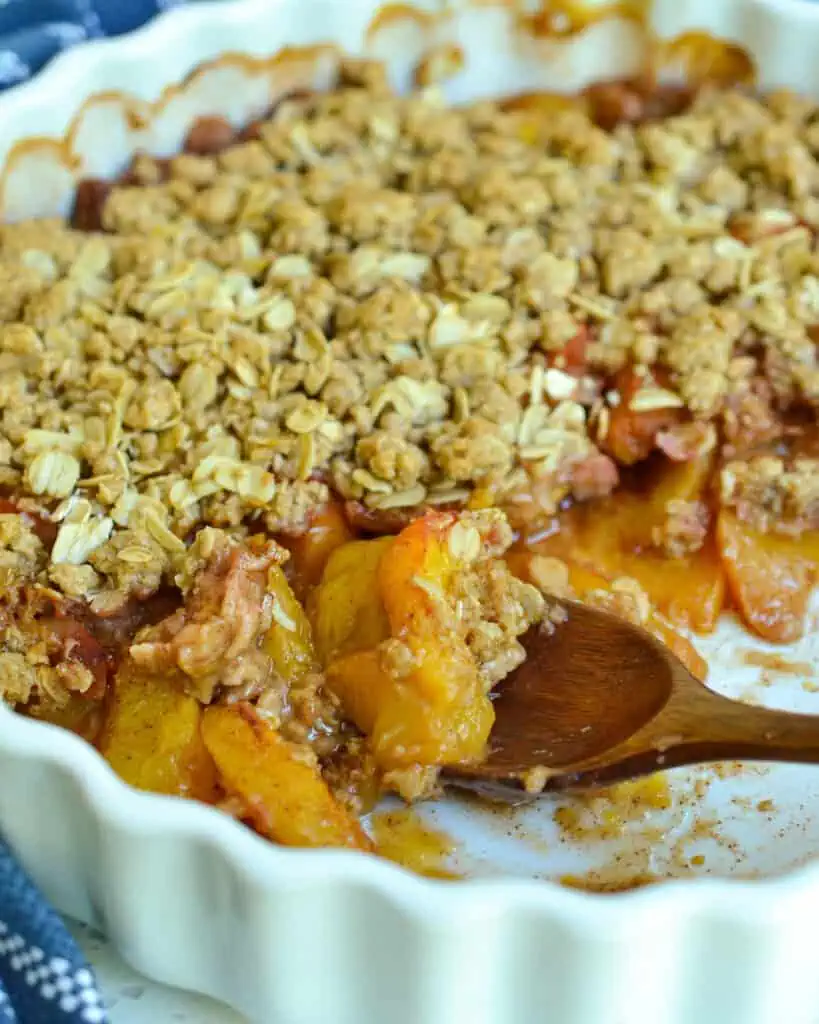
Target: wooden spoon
[(602, 700)]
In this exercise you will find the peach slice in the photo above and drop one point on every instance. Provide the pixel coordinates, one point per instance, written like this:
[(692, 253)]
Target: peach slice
[(279, 786), (152, 736), (770, 576)]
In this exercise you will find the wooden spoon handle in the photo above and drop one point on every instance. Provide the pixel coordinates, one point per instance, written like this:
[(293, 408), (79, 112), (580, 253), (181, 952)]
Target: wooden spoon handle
[(719, 727), (704, 727)]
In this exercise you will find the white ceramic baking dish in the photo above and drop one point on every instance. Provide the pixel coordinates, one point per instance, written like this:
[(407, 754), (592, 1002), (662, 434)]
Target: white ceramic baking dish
[(291, 937)]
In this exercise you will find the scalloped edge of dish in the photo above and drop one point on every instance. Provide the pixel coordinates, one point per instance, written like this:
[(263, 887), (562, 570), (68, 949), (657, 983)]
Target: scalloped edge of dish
[(155, 872)]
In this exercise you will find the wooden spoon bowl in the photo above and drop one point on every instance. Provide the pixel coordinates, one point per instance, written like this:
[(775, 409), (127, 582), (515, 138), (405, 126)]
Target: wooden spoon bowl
[(601, 700)]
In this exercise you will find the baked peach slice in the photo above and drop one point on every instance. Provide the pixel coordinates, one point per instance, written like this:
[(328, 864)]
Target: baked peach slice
[(76, 713), (770, 576), (617, 536), (278, 785), (390, 625), (310, 552), (632, 430), (397, 662), (346, 608), (152, 736), (289, 640)]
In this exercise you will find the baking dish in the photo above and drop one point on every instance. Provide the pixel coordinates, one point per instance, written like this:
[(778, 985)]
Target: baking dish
[(194, 900)]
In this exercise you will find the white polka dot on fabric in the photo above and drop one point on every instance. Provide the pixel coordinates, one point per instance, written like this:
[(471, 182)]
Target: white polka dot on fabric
[(34, 982), (53, 978), (12, 68)]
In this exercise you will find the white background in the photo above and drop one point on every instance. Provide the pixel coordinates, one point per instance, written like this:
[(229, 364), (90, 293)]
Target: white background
[(132, 999)]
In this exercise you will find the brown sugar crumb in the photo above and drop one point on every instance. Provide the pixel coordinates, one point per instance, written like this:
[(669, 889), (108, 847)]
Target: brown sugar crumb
[(214, 638), (494, 607), (88, 203), (209, 135), (625, 598), (22, 555), (535, 780), (549, 575), (684, 529), (773, 493)]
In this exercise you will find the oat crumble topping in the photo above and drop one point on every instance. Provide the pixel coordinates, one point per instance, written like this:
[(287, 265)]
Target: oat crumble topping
[(374, 295)]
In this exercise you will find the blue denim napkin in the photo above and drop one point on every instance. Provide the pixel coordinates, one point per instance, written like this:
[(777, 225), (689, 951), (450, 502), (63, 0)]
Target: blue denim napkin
[(44, 978), (33, 31)]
